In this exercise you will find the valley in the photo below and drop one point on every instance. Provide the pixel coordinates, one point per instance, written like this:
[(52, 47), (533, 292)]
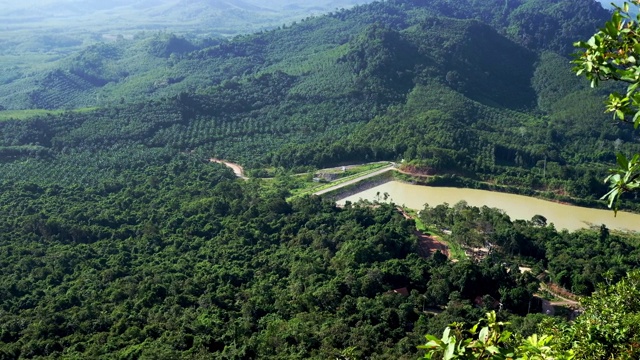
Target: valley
[(169, 172)]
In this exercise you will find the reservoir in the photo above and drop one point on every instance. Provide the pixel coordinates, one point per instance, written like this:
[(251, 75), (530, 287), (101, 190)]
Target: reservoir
[(516, 206)]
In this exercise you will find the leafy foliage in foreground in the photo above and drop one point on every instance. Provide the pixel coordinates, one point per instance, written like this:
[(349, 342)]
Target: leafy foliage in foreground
[(490, 342), (611, 54), (607, 329)]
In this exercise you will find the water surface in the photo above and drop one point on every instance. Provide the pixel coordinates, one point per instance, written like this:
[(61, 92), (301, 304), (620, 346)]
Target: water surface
[(516, 206)]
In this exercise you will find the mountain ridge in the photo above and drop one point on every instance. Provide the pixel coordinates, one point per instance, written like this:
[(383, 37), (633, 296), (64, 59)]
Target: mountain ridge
[(342, 88), (121, 239), (255, 44)]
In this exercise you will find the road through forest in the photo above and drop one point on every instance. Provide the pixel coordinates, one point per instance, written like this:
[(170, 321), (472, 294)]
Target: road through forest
[(237, 169)]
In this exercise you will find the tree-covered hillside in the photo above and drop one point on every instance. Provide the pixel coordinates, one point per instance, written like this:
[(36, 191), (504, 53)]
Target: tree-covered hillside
[(390, 80), (180, 261), (120, 239), (159, 64)]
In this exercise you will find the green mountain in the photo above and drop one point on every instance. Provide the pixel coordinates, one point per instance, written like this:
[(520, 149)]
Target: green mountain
[(391, 80), (161, 64), (119, 239), (37, 35)]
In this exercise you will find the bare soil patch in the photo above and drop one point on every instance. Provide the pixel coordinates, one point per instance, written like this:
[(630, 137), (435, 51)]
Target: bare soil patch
[(237, 169), (428, 245)]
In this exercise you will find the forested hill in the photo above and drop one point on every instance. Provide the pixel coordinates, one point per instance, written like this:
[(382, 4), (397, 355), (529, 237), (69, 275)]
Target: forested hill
[(59, 26), (163, 64), (119, 238), (474, 87)]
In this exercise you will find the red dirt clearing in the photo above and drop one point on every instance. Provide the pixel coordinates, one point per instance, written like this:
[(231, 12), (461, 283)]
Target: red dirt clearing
[(427, 245)]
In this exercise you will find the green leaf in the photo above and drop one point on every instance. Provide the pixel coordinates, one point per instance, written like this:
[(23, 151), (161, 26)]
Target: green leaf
[(431, 345), (431, 337), (622, 161), (445, 334), (451, 348), (612, 196), (505, 336), (611, 29), (484, 334)]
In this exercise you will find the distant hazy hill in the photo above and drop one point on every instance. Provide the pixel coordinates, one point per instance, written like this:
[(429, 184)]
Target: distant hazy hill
[(93, 15), (36, 33)]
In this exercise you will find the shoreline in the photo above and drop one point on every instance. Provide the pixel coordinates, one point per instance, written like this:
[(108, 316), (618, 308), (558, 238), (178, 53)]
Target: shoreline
[(517, 206), (456, 181)]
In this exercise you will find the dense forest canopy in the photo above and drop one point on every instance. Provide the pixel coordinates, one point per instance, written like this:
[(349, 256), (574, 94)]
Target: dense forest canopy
[(209, 265), (120, 239)]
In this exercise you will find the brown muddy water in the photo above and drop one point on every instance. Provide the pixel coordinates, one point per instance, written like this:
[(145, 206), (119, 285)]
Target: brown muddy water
[(516, 206)]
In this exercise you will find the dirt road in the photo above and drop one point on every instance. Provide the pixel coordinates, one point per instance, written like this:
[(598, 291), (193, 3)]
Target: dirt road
[(237, 169)]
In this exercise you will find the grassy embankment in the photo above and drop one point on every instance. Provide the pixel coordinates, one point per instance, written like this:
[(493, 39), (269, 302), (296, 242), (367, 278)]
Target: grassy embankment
[(309, 187), (30, 113)]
